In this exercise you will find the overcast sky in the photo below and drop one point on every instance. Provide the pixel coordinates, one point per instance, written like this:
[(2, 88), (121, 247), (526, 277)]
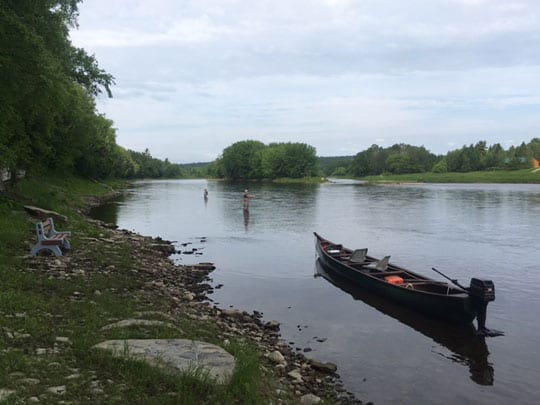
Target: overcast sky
[(193, 77)]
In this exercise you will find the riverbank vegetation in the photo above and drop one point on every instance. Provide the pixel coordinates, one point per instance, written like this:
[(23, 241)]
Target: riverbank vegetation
[(493, 176), (402, 159), (53, 310)]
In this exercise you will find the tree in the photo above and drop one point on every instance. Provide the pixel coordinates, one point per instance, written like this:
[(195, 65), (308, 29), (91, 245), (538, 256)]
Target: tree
[(440, 167), (294, 160), (40, 75), (242, 160), (400, 164)]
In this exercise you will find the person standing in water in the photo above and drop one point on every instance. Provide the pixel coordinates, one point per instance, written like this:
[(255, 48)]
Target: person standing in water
[(205, 194), (247, 197)]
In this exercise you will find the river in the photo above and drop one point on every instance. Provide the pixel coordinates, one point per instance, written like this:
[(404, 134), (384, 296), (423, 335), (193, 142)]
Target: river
[(266, 261)]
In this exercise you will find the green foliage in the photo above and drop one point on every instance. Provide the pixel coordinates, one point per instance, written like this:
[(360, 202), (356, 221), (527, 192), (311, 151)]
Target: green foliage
[(48, 117), (400, 164), (329, 164), (43, 116), (399, 158), (440, 167), (293, 160), (145, 166), (339, 171), (402, 159), (242, 160), (254, 160)]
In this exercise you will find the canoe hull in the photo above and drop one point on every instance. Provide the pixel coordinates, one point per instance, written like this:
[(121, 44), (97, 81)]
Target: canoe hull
[(456, 308)]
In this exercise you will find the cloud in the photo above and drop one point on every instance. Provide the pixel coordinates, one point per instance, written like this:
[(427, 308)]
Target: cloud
[(196, 75)]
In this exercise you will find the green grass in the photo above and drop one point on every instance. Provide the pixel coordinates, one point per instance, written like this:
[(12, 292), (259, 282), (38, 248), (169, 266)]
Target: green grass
[(37, 307), (497, 176)]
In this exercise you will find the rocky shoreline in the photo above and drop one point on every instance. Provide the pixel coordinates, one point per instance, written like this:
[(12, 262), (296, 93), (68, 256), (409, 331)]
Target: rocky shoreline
[(181, 293), (186, 288)]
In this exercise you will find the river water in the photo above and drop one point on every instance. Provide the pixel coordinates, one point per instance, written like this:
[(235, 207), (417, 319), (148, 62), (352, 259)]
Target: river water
[(266, 261)]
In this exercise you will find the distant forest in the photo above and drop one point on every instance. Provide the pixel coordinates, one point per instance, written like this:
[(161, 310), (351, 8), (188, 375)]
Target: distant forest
[(251, 159), (403, 158)]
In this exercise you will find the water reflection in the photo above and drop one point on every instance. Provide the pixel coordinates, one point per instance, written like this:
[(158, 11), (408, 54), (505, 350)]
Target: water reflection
[(107, 212), (246, 219), (466, 347)]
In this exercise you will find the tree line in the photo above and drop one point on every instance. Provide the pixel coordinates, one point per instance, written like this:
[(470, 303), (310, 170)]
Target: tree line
[(252, 159), (48, 116), (403, 159)]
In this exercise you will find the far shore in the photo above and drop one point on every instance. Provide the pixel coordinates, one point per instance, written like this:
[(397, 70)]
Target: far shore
[(524, 176)]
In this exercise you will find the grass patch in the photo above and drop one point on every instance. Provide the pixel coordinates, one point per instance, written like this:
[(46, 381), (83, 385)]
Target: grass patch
[(497, 176)]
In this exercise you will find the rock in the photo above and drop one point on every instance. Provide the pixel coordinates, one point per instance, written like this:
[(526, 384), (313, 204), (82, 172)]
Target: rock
[(175, 355), (231, 313), (324, 367), (276, 357), (309, 399), (33, 400), (62, 339), (272, 325), (43, 213), (295, 375), (205, 266), (189, 296), (60, 390), (29, 381), (5, 393), (126, 323)]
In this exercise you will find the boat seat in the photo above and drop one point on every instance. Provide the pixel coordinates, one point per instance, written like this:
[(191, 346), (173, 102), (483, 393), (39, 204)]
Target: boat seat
[(381, 265), (381, 274), (358, 256)]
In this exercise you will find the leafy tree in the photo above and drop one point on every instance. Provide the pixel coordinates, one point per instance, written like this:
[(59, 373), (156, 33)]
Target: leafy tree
[(242, 160), (370, 161), (329, 164), (440, 167), (494, 157), (534, 147), (294, 160), (40, 74), (339, 172), (400, 164)]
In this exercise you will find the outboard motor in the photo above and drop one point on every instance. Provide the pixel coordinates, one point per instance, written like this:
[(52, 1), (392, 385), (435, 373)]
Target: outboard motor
[(481, 293)]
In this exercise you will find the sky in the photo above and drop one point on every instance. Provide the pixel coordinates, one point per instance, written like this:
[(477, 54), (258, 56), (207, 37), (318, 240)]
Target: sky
[(195, 76)]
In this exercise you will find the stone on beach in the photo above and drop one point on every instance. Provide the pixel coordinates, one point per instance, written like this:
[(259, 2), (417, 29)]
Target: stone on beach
[(175, 355), (126, 323)]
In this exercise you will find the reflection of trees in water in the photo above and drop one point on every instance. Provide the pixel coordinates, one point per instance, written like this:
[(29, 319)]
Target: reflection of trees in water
[(107, 212), (465, 346)]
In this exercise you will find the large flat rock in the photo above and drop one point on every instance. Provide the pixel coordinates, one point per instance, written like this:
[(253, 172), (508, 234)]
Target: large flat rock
[(175, 355)]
